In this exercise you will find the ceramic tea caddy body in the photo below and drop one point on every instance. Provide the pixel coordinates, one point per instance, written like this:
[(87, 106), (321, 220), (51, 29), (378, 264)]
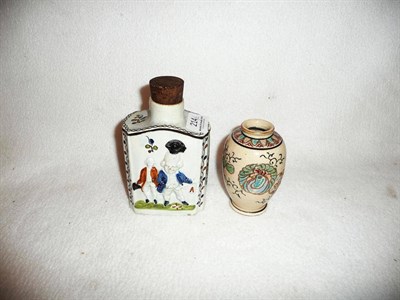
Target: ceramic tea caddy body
[(253, 164), (166, 150)]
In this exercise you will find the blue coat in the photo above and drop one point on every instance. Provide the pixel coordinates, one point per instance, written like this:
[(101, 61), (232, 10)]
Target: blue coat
[(162, 180)]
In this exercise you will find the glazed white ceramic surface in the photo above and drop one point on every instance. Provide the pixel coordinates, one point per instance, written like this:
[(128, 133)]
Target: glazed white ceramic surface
[(178, 179)]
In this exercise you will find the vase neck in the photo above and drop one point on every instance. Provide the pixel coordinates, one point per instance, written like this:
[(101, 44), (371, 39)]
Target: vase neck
[(257, 128), (166, 114)]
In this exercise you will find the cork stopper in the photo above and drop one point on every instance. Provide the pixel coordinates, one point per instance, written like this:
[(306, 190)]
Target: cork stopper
[(166, 90)]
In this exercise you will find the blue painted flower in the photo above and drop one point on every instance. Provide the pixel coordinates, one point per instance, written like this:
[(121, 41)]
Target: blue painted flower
[(151, 141)]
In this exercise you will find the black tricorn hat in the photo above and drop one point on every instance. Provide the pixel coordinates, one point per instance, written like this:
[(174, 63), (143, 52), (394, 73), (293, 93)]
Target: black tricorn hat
[(175, 146)]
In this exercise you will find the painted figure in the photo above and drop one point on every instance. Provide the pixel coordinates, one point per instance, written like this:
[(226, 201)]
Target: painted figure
[(170, 180), (148, 181)]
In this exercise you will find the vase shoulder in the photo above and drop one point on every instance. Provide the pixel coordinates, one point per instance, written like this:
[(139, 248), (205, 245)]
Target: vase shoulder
[(195, 124)]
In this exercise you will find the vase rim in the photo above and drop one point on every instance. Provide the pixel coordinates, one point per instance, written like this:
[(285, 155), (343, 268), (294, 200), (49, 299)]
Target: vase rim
[(257, 128)]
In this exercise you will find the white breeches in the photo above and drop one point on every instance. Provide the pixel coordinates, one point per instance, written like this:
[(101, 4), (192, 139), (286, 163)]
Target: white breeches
[(149, 189), (168, 191)]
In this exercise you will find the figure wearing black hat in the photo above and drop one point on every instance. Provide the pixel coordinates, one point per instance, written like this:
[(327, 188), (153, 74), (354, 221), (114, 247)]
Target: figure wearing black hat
[(170, 180)]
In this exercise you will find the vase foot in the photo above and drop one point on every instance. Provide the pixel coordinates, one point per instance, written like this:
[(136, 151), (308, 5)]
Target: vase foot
[(247, 213)]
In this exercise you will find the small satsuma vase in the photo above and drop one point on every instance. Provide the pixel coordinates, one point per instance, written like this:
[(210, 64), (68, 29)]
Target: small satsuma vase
[(253, 164)]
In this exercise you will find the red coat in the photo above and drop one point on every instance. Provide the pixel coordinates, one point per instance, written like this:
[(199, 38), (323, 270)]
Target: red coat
[(143, 176)]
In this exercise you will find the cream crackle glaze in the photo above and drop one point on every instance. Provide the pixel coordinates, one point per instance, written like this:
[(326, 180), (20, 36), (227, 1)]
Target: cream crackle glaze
[(166, 150), (253, 164)]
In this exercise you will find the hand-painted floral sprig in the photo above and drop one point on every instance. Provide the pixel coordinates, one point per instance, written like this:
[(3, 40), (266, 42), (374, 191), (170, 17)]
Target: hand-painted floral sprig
[(228, 160), (273, 161), (237, 190), (150, 145), (138, 119)]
